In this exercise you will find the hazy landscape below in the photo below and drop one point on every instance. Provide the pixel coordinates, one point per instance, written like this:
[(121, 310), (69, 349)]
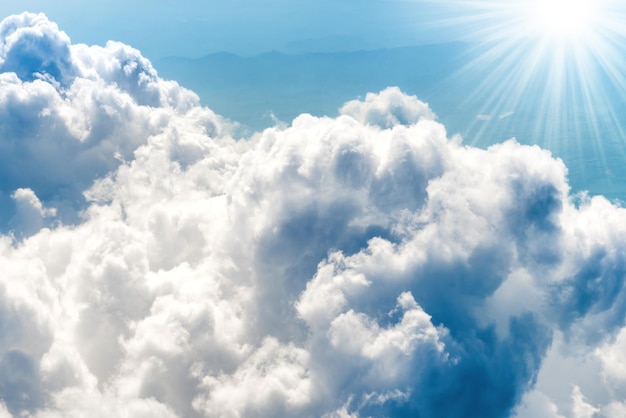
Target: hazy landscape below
[(249, 89), (257, 90)]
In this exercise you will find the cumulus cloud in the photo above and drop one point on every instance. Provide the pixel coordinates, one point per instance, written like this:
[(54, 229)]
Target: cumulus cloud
[(30, 214), (350, 266), (613, 358), (388, 108), (72, 113)]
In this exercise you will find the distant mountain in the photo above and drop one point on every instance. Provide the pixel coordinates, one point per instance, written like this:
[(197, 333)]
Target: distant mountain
[(256, 90), (327, 44), (249, 89)]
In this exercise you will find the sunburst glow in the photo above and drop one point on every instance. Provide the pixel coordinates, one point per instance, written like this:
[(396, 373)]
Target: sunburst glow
[(564, 18), (555, 68)]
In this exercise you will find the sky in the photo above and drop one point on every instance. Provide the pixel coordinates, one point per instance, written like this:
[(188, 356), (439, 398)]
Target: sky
[(363, 263), (195, 28)]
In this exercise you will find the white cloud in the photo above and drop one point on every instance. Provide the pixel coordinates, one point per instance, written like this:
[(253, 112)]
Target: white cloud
[(71, 112), (580, 407), (613, 357), (362, 265), (537, 405), (30, 213), (275, 379), (389, 108), (614, 410), (4, 413)]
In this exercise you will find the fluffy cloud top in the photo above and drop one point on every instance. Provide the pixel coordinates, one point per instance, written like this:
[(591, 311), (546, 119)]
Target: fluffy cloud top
[(361, 265), (71, 113)]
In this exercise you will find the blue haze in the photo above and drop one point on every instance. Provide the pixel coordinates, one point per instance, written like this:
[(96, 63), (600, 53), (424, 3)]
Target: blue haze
[(194, 28), (256, 89)]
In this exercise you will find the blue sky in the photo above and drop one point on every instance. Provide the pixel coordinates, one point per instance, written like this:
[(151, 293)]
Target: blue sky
[(195, 28), (366, 262)]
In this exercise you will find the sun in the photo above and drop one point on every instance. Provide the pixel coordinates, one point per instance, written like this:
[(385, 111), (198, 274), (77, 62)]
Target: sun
[(564, 19), (557, 66)]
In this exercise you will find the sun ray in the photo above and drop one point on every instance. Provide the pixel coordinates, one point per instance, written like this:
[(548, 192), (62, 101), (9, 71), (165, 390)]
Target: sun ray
[(556, 65)]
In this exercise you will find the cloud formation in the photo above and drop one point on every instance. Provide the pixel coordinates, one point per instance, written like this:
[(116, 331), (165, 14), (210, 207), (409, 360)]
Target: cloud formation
[(87, 107), (358, 265)]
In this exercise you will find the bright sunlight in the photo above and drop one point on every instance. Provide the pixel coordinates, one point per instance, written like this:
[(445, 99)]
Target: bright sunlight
[(565, 19), (559, 63)]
